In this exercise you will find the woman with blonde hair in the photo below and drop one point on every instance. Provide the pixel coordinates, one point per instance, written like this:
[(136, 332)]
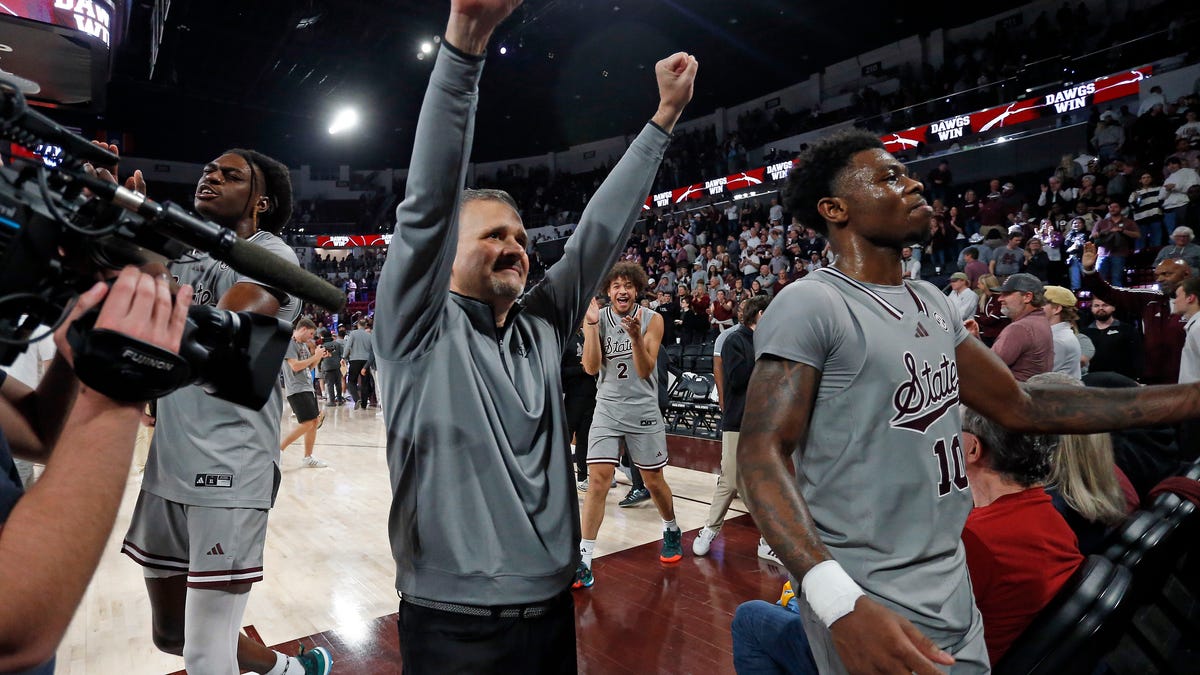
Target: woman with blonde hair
[(1085, 484), (989, 317)]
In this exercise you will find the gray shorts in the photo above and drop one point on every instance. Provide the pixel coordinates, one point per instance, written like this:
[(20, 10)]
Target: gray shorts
[(215, 547), (646, 451)]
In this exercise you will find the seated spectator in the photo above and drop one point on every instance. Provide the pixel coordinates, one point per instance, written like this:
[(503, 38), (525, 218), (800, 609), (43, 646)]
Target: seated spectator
[(1025, 345), (770, 639), (1117, 344), (1019, 550), (1086, 487), (1146, 455), (1181, 248), (1062, 315)]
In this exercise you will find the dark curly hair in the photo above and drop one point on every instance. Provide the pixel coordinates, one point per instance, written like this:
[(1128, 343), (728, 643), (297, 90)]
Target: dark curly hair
[(627, 270), (820, 167), (277, 188)]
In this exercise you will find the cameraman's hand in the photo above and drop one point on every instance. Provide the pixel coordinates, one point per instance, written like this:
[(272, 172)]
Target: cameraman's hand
[(872, 639), (138, 305)]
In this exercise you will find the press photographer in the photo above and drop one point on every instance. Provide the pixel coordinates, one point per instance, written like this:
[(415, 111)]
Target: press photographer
[(51, 537)]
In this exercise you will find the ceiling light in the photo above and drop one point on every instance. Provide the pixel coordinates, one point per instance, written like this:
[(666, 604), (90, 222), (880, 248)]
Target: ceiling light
[(503, 50), (426, 47), (344, 120)]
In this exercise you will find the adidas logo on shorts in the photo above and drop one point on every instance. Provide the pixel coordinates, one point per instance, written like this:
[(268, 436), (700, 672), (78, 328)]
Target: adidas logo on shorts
[(216, 550)]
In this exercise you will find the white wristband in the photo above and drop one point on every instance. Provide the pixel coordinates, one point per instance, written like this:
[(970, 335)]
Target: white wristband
[(830, 591)]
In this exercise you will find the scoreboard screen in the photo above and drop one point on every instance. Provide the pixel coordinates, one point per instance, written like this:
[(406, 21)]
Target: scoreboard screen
[(93, 17)]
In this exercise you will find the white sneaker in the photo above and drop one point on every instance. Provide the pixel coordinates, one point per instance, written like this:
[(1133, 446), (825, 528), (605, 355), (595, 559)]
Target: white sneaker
[(313, 463), (766, 553), (582, 485), (703, 541)]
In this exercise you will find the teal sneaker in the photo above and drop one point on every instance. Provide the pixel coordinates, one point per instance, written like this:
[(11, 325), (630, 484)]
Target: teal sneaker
[(315, 661), (583, 577), (672, 548)]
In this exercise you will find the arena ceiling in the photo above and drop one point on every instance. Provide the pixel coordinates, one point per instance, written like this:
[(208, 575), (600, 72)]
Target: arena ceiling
[(269, 73)]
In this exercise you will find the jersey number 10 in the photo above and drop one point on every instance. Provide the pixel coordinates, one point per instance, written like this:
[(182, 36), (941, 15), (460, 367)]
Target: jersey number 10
[(945, 459)]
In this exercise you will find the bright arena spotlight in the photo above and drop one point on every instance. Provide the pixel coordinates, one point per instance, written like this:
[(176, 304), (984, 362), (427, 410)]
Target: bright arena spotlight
[(345, 120)]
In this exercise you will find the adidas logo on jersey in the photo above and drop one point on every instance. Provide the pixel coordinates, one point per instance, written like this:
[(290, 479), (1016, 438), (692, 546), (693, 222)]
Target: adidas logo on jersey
[(921, 332), (216, 550)]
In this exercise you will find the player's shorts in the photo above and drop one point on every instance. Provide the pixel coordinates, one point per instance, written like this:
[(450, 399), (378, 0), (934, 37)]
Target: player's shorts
[(304, 405), (646, 451), (215, 547)]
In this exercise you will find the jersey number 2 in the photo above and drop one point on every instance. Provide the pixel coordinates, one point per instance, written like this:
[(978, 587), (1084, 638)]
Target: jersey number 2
[(950, 475), (622, 371)]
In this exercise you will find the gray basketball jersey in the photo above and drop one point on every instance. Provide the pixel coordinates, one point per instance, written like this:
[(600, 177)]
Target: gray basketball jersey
[(209, 452), (624, 401), (296, 381), (882, 469)]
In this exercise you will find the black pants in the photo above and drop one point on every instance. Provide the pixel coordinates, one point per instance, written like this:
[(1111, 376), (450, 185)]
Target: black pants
[(579, 423), (333, 384), (362, 387), (433, 641)]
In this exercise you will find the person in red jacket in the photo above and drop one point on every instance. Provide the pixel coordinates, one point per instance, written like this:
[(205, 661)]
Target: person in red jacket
[(1019, 549), (1162, 332)]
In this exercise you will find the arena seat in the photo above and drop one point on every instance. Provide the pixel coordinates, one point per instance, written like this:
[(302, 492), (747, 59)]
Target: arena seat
[(690, 406), (1068, 636)]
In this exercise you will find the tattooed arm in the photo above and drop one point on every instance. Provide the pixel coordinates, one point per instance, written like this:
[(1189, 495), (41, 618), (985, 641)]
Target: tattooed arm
[(779, 404), (988, 386)]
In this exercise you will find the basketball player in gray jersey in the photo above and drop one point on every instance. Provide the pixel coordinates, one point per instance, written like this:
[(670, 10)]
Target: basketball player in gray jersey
[(200, 522), (620, 344), (857, 370)]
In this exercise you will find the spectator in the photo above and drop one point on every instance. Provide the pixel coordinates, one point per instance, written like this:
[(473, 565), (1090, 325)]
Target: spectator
[(1117, 344), (962, 297), (1181, 248), (1062, 316), (939, 183), (1146, 204), (1037, 261), (1019, 550), (1073, 243), (990, 313), (1162, 333), (1186, 303), (910, 267), (1115, 235), (973, 267), (1175, 187), (1008, 261), (1086, 487), (1109, 137), (1025, 345)]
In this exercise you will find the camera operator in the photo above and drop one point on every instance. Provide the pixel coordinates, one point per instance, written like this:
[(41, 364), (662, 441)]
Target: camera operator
[(199, 527), (51, 537)]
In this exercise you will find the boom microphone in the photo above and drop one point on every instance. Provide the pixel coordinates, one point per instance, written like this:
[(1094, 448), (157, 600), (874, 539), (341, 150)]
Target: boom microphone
[(221, 243)]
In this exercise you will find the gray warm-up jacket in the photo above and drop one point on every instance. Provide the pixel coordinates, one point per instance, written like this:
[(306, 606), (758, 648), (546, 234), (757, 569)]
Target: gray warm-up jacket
[(484, 510)]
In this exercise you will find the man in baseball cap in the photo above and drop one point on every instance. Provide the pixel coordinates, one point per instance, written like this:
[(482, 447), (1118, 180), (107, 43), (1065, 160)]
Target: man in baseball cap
[(1061, 314), (1026, 345)]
